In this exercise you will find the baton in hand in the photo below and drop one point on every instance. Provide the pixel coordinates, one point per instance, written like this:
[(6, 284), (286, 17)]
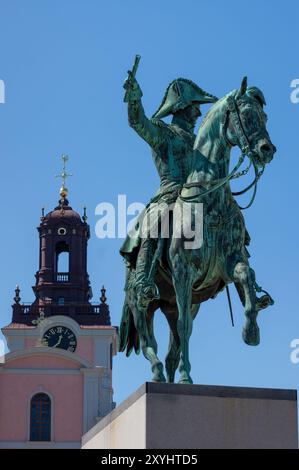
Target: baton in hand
[(132, 74)]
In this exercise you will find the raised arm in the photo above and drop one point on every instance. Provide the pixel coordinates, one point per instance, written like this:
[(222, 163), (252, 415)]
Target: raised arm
[(150, 132)]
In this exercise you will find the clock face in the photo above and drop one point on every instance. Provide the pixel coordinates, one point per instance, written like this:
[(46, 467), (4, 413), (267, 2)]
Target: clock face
[(60, 337)]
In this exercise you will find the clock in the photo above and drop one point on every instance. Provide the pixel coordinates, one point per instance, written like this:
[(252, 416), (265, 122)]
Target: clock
[(60, 337)]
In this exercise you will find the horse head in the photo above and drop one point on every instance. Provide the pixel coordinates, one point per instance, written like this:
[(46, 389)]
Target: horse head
[(246, 124)]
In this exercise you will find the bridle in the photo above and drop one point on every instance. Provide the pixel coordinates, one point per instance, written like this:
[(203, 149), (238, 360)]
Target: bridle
[(234, 174)]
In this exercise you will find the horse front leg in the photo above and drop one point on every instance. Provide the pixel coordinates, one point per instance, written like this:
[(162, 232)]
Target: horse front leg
[(183, 277), (243, 275)]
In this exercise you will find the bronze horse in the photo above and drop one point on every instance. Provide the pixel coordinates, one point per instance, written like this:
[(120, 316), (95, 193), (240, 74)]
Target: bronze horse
[(187, 277)]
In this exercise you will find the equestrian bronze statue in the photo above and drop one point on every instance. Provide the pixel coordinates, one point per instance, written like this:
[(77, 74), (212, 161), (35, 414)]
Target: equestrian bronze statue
[(173, 273)]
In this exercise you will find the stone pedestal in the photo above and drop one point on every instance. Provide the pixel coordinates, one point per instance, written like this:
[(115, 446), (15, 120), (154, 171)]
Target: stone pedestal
[(174, 416)]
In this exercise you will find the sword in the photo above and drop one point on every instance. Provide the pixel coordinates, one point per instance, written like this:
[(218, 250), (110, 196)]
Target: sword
[(230, 305)]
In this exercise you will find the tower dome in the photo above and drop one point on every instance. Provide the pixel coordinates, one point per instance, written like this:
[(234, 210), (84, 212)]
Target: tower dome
[(63, 213)]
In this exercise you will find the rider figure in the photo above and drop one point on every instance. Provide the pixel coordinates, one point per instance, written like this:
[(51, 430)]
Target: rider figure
[(172, 151)]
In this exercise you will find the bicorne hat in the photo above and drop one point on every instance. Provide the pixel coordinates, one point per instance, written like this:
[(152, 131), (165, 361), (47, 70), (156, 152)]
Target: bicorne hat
[(181, 93)]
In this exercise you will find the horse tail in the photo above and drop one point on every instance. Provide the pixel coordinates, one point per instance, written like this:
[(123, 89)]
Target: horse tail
[(128, 335)]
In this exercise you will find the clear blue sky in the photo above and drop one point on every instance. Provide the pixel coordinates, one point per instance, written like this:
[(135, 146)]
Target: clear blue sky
[(63, 63)]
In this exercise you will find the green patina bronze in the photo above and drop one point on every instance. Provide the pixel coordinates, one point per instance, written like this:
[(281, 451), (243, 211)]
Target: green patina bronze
[(164, 273)]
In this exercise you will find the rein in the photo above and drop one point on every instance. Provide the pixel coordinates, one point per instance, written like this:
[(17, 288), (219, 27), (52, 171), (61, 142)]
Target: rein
[(258, 174), (245, 148)]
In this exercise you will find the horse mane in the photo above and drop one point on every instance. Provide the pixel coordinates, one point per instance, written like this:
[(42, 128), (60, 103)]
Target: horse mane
[(215, 108), (212, 117), (251, 91)]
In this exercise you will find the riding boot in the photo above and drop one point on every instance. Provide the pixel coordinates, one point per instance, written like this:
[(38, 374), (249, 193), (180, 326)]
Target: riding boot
[(265, 300), (144, 284)]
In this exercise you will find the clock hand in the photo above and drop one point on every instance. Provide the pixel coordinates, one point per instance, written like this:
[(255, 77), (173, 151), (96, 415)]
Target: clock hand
[(59, 341)]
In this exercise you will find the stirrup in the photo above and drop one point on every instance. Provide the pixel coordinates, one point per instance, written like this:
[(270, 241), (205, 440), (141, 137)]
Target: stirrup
[(264, 301)]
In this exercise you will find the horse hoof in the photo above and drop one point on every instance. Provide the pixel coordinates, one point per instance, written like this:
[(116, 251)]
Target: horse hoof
[(251, 333), (158, 375), (185, 379), (158, 378)]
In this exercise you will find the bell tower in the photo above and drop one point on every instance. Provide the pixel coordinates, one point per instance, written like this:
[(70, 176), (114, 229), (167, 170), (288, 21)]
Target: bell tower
[(62, 276)]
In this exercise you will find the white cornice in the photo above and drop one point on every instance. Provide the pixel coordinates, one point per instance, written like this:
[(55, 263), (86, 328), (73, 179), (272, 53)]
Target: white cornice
[(45, 351), (62, 320)]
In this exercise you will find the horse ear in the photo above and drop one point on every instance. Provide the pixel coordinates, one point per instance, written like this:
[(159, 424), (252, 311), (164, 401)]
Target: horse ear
[(243, 87)]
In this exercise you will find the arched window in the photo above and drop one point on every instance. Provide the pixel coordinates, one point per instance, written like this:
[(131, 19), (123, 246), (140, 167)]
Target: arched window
[(40, 417), (62, 261)]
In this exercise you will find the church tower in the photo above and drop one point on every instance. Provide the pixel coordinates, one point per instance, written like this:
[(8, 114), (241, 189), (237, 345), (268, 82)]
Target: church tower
[(56, 381)]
